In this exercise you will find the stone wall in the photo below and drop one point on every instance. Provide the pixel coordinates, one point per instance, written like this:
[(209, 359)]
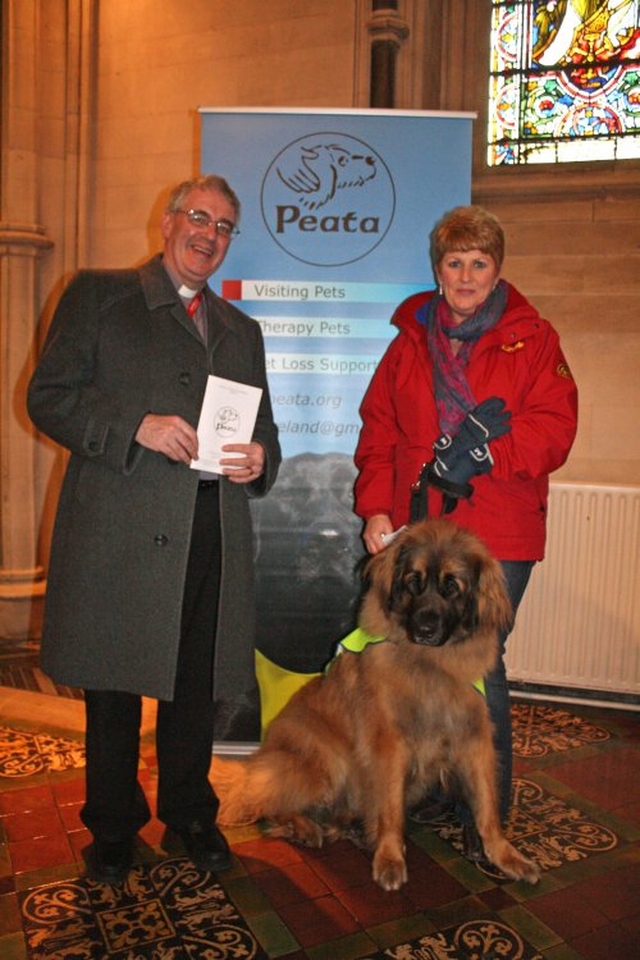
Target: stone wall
[(100, 114)]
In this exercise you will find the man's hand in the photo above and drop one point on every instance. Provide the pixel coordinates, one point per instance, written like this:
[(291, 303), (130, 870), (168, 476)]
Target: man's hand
[(246, 464), (172, 436)]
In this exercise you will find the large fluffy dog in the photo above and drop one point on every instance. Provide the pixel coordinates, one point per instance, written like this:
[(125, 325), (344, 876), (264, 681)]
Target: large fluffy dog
[(367, 739)]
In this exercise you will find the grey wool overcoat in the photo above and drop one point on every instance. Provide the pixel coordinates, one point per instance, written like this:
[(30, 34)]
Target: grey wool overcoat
[(121, 345)]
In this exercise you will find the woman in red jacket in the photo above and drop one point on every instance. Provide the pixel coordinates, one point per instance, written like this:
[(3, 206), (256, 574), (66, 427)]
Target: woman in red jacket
[(476, 385)]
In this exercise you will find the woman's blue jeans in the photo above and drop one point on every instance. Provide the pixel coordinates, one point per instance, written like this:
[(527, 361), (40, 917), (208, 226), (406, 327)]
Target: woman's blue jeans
[(517, 573)]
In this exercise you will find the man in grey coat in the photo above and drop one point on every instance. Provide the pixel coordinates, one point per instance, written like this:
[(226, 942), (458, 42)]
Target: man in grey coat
[(151, 581)]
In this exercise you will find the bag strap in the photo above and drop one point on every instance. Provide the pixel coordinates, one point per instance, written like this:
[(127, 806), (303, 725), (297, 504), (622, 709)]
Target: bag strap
[(451, 493)]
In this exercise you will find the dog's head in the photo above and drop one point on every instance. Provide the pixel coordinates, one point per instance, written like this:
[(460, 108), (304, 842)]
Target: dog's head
[(435, 584)]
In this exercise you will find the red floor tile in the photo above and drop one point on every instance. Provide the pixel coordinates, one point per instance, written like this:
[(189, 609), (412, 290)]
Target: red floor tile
[(629, 810), (340, 866), (69, 791), (42, 822), (78, 841), (153, 832), (611, 778), (371, 905), (608, 943), (43, 852), (318, 921), (291, 883), (496, 898), (263, 854), (567, 913), (430, 886), (25, 799), (616, 893), (70, 816), (631, 925)]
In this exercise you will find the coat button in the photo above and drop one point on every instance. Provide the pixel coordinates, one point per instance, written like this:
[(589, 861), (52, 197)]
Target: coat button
[(160, 540), (185, 379)]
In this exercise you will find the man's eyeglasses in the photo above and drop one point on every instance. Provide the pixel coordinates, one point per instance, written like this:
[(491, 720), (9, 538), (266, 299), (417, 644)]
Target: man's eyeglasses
[(201, 219)]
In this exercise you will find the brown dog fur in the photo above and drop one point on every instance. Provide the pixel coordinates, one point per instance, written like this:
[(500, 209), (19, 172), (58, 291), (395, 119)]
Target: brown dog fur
[(367, 739)]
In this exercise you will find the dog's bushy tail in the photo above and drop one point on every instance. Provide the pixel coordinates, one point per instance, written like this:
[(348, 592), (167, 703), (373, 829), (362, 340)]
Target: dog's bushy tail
[(268, 785), (239, 805)]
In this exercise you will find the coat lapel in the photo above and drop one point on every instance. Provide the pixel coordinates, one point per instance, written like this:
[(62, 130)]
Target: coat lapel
[(159, 291)]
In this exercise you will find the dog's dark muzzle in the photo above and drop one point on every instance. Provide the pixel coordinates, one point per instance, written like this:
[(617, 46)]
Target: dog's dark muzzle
[(429, 629)]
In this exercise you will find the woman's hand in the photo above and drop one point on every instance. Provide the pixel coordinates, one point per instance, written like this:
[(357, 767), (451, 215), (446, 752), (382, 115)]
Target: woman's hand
[(373, 530)]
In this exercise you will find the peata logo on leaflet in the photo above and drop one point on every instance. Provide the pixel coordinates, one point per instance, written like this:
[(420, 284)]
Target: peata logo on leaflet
[(328, 199)]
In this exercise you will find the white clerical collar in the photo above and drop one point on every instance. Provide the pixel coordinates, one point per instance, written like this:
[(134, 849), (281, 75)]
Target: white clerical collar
[(186, 292)]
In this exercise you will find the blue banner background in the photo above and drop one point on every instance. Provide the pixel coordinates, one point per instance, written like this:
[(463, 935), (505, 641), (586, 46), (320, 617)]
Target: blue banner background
[(337, 207)]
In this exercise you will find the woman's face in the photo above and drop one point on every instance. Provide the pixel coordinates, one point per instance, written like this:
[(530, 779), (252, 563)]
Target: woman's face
[(467, 277)]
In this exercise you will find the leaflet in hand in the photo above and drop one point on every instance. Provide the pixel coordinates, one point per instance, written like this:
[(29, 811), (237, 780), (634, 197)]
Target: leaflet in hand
[(228, 415)]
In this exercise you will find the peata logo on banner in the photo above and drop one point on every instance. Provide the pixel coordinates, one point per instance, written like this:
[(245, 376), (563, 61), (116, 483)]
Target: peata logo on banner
[(328, 199)]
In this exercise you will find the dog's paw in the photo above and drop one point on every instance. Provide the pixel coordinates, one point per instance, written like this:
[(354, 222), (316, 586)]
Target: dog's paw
[(514, 865), (389, 874), (297, 829), (528, 870)]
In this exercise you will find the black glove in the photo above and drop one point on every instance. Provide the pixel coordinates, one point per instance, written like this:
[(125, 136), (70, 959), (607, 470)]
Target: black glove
[(467, 454), (490, 419), (460, 469)]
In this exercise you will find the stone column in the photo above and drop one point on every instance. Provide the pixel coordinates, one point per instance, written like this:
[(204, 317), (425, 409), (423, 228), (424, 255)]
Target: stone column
[(49, 50), (22, 241), (22, 581), (387, 30)]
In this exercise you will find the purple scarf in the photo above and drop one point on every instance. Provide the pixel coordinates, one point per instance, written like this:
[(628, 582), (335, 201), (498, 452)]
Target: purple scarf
[(454, 398)]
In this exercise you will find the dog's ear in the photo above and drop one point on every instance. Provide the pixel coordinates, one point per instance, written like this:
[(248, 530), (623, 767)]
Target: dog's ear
[(365, 573), (470, 617), (494, 606), (396, 590), (382, 576), (376, 574)]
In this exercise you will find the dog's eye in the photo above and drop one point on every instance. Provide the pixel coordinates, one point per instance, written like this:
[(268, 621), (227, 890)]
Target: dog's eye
[(449, 587), (414, 583)]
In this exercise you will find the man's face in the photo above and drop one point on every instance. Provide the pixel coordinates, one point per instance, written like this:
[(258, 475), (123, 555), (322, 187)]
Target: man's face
[(194, 252)]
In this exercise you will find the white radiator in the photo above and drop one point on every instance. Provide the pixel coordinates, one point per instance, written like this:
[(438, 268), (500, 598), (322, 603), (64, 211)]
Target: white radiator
[(577, 631)]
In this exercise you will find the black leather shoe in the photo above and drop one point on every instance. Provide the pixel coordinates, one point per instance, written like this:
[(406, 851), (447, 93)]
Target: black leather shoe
[(109, 861), (432, 811), (472, 848), (206, 846)]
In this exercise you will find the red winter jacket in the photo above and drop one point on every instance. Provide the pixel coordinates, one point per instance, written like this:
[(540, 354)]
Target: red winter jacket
[(520, 360)]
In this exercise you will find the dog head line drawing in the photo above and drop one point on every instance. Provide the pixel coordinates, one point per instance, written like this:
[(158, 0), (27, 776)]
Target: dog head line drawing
[(324, 169)]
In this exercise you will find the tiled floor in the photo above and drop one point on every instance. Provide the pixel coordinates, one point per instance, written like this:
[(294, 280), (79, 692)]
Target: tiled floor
[(322, 905)]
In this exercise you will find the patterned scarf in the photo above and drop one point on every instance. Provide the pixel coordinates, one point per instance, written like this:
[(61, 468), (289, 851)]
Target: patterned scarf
[(454, 398)]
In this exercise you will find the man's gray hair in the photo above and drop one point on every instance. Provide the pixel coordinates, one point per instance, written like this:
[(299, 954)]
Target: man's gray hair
[(208, 181)]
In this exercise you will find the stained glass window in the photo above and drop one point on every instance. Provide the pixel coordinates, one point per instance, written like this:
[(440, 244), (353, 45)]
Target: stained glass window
[(564, 81)]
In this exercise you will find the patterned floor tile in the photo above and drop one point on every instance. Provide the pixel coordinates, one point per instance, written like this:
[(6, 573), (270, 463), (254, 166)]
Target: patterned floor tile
[(546, 829), (169, 911), (22, 754), (487, 938)]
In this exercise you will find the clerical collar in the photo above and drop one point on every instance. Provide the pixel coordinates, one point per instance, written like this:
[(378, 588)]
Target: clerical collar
[(184, 291)]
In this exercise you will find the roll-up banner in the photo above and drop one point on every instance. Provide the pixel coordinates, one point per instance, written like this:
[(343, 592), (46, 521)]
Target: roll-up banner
[(337, 207)]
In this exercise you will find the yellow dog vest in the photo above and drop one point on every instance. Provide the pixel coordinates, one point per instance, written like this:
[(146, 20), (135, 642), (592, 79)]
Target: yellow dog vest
[(358, 640)]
